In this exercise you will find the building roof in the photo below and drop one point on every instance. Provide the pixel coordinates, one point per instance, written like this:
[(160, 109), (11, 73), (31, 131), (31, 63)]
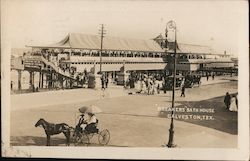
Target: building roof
[(194, 49), (190, 48), (93, 42)]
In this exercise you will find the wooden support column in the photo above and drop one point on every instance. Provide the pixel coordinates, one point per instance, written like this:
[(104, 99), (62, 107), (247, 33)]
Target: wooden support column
[(30, 77), (19, 79), (46, 82), (40, 77), (33, 78), (51, 78), (42, 80), (62, 82), (66, 82)]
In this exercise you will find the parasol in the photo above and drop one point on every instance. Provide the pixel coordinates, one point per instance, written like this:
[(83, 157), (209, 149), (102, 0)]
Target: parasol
[(90, 109)]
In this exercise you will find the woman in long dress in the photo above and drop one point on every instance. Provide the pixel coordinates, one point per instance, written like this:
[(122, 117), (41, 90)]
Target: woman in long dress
[(144, 87), (233, 106)]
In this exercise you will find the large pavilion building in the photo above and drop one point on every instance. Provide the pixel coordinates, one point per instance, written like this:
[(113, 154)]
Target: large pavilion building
[(119, 56)]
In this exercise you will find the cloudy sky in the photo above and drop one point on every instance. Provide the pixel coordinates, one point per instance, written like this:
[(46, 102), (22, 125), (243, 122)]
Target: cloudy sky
[(215, 23)]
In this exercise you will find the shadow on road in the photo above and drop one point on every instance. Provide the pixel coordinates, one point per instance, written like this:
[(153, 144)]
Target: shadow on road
[(224, 120), (55, 141), (35, 141)]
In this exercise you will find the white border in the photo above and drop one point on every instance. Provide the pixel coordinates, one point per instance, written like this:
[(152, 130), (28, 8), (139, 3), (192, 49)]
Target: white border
[(240, 153)]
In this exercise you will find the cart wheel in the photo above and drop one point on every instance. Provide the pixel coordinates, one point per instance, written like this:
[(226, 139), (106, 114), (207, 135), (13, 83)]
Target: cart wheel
[(104, 137), (81, 139), (90, 136)]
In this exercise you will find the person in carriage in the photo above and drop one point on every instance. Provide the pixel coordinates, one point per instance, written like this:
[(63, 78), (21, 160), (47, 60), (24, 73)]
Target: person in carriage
[(80, 123), (91, 123), (87, 123)]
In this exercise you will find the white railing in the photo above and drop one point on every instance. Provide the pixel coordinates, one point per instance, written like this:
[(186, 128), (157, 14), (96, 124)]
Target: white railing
[(114, 59)]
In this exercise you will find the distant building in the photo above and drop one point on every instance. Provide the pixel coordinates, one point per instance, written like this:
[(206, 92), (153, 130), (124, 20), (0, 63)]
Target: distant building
[(65, 61), (192, 58), (81, 52)]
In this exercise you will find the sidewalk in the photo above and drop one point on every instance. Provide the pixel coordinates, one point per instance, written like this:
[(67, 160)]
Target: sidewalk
[(41, 99)]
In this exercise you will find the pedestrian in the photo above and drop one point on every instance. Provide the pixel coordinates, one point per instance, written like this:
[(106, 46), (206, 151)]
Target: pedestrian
[(131, 83), (103, 82), (158, 87), (144, 87), (236, 100), (233, 105), (213, 76), (183, 91), (227, 100), (33, 88), (107, 82), (150, 87), (207, 77)]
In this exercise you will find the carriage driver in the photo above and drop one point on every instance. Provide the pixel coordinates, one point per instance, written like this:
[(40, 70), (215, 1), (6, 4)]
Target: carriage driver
[(80, 122)]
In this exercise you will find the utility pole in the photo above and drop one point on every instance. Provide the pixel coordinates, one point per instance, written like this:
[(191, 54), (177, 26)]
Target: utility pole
[(102, 33)]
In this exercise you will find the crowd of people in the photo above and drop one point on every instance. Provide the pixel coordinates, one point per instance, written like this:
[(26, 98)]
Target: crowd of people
[(145, 84), (154, 83)]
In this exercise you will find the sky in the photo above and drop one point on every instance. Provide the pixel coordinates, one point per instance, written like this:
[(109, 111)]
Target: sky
[(212, 23)]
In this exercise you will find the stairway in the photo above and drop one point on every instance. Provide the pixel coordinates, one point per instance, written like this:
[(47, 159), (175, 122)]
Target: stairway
[(37, 61)]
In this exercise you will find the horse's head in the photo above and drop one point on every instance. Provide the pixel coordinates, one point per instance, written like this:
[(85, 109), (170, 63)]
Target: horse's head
[(39, 122)]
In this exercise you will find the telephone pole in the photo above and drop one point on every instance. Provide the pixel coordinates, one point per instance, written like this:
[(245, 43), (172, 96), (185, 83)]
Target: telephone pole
[(102, 32)]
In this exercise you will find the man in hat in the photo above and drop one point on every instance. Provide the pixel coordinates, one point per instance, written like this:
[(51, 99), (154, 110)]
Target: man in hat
[(103, 82), (80, 123), (227, 100)]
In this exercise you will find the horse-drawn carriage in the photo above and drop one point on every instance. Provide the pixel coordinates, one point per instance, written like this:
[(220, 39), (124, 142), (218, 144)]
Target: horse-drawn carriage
[(168, 82), (83, 136), (191, 80), (77, 134)]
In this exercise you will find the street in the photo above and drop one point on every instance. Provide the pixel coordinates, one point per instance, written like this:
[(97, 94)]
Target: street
[(134, 120)]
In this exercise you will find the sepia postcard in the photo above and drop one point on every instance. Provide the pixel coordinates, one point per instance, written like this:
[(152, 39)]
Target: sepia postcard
[(125, 79)]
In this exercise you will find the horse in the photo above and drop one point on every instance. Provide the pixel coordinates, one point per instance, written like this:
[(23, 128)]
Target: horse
[(54, 129)]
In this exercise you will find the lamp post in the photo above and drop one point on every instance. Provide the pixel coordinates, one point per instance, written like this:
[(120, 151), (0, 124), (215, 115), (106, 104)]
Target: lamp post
[(172, 26)]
